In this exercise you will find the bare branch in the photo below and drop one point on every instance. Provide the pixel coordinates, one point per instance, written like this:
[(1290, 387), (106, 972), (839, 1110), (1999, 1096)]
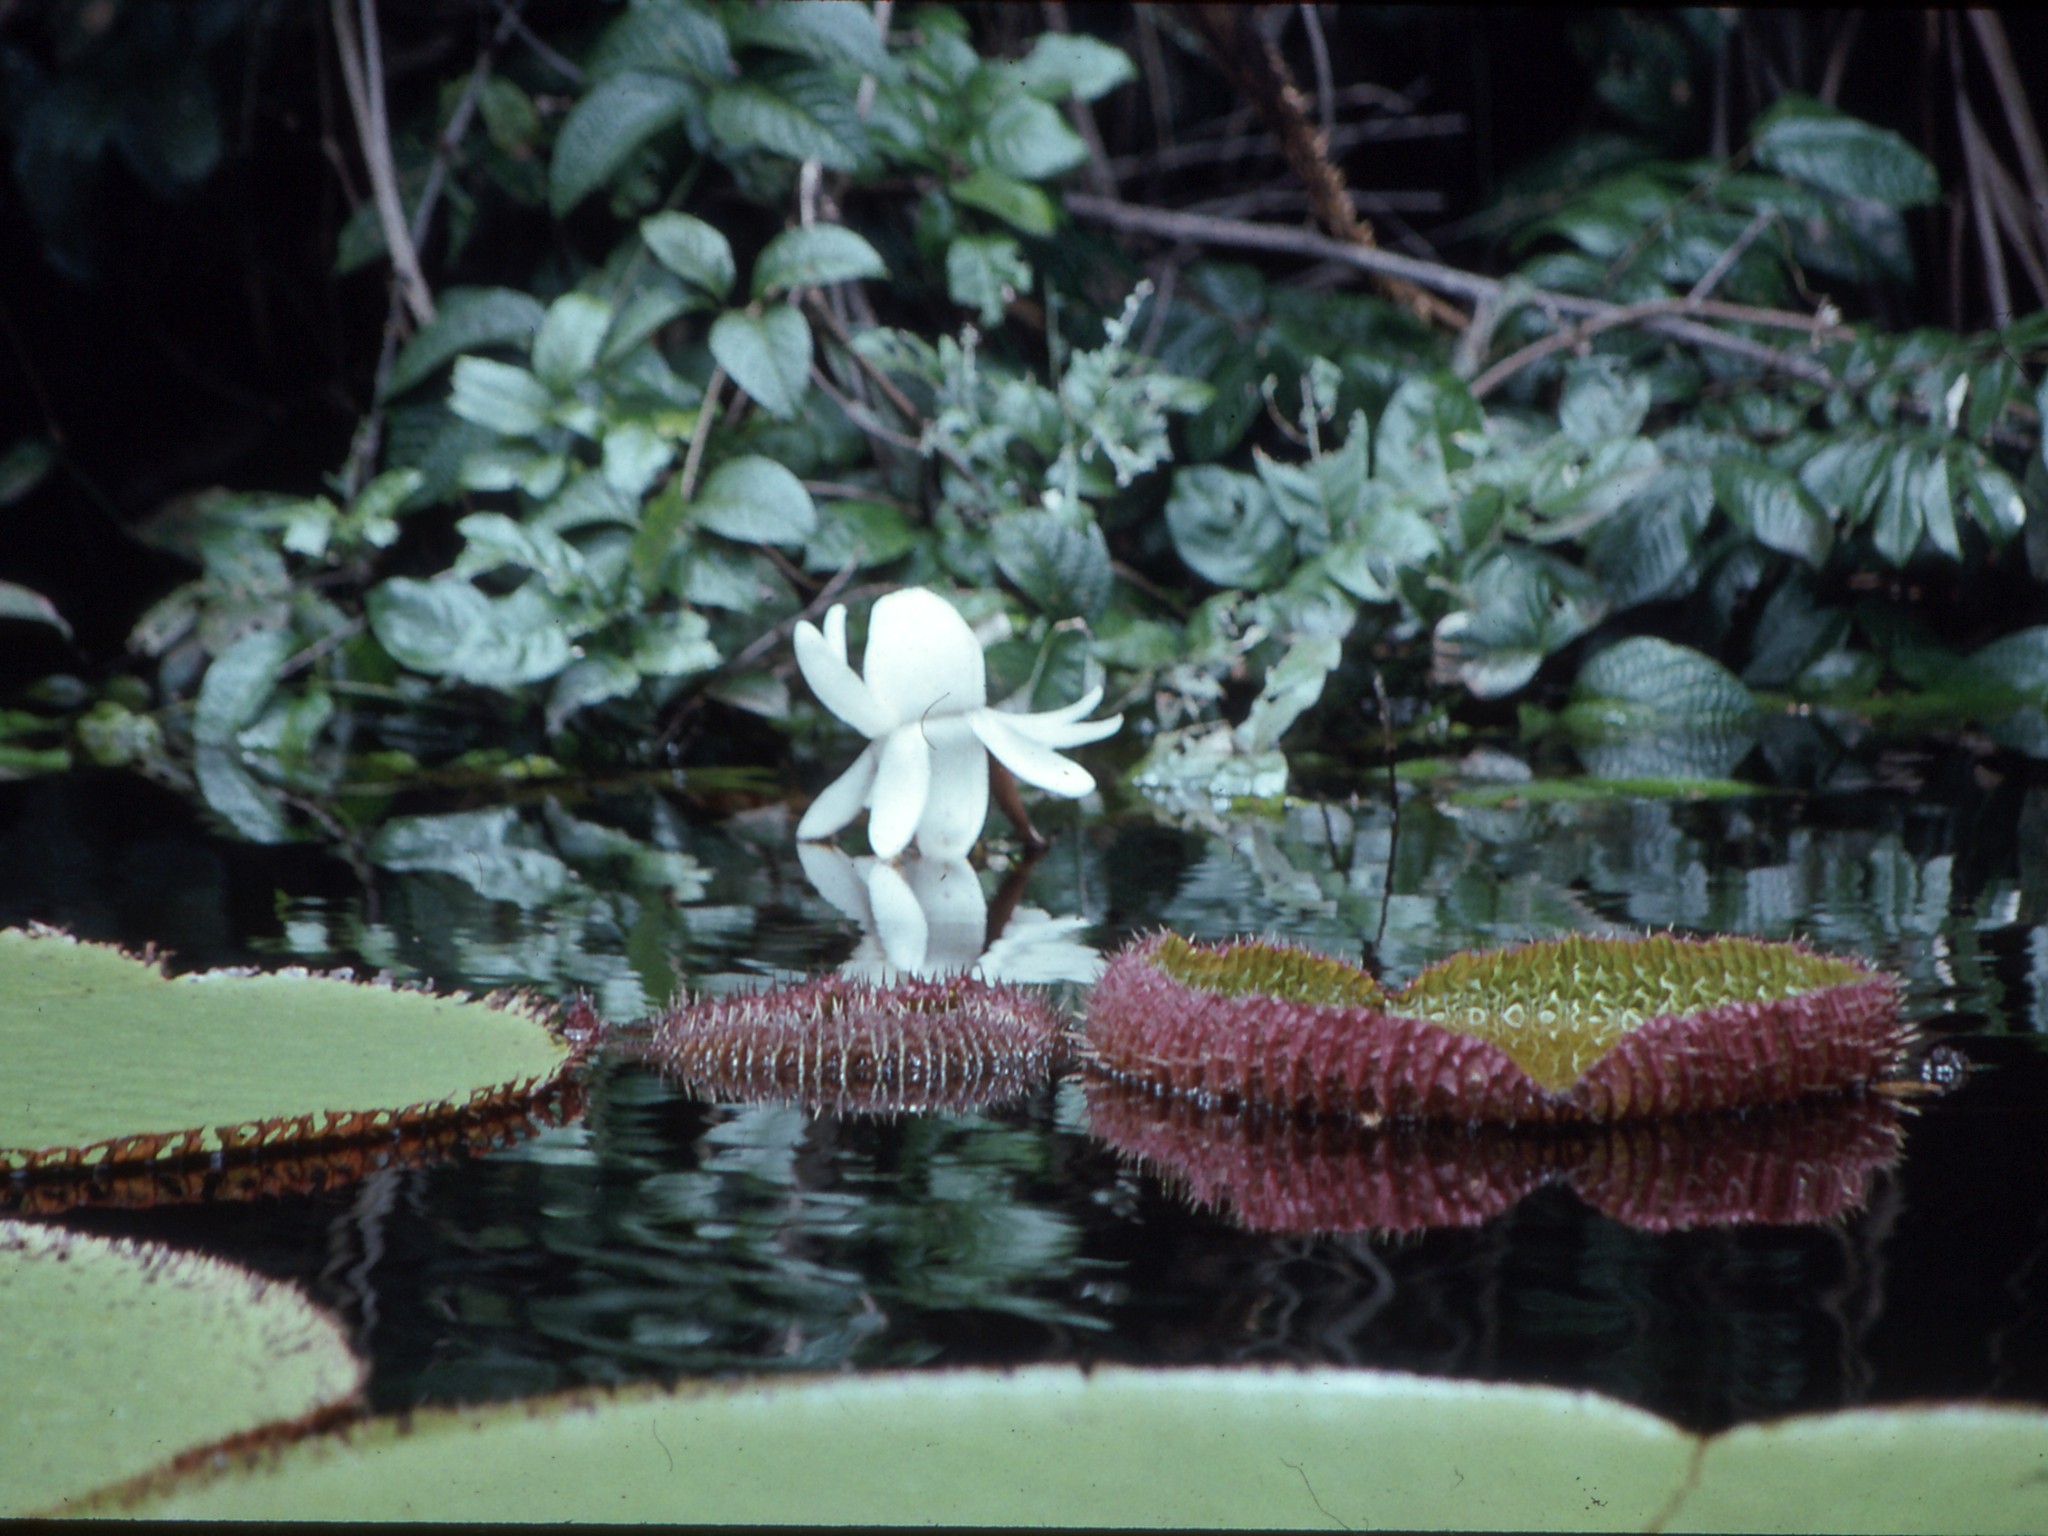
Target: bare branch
[(362, 69)]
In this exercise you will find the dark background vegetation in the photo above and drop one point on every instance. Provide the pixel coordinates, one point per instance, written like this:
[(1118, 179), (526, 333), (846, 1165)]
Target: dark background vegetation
[(173, 325)]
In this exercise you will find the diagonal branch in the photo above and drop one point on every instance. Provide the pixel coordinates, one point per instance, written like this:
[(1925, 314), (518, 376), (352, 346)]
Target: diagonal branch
[(362, 70)]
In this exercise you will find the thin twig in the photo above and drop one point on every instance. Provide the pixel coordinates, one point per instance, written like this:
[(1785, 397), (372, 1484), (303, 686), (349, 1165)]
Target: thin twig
[(1975, 153), (1725, 262), (1838, 58), (888, 386), (362, 69), (1081, 114), (686, 483), (2012, 96), (1319, 54)]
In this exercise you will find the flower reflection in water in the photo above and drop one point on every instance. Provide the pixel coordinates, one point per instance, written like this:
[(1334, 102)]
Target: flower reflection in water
[(928, 917)]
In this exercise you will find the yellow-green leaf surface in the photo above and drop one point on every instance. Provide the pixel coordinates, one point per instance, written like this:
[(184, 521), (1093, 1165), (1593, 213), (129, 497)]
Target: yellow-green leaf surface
[(1035, 1446), (1317, 1449), (118, 1356), (106, 1059)]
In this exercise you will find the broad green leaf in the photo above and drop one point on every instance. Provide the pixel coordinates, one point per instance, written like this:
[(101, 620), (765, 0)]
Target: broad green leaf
[(1063, 569), (748, 114), (1897, 517), (755, 500), (768, 355), (22, 468), (119, 1355), (1646, 550), (251, 808), (447, 628), (1040, 1445), (1794, 631), (1994, 499), (604, 129), (1072, 64), (985, 272), (1930, 489), (508, 400), (862, 534), (634, 455), (1603, 398), (1843, 472), (1017, 203), (830, 31), (1519, 606), (1646, 681), (814, 256), (675, 644), (491, 540), (656, 303), (565, 347), (465, 320), (2018, 661), (237, 683), (373, 515), (1773, 508), (119, 1065), (662, 37), (1800, 137), (1225, 527), (1028, 139), (586, 681), (18, 602), (692, 249), (1292, 685), (1421, 435)]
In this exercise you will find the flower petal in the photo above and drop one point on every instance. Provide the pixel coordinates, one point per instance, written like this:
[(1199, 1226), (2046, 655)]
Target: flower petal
[(835, 631), (841, 800), (837, 878), (835, 683), (922, 658), (903, 774), (955, 910), (900, 925), (1049, 730), (957, 802), (1031, 761)]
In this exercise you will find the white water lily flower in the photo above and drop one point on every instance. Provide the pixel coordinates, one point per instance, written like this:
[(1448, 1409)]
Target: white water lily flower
[(923, 706)]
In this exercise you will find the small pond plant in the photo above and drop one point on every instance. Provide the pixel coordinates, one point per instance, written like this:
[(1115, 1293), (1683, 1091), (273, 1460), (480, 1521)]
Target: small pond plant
[(923, 705), (1568, 1030), (849, 1045)]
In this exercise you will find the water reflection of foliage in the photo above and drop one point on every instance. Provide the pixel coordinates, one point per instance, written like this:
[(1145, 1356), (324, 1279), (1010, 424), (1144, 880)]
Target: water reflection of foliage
[(670, 1238), (1886, 887)]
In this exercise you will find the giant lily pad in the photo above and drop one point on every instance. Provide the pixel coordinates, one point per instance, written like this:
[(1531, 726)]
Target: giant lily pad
[(1572, 1029), (111, 1065), (1318, 1449), (119, 1356), (1785, 1165)]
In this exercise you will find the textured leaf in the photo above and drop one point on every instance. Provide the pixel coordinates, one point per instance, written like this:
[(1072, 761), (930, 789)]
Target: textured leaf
[(237, 684), (862, 534), (830, 31), (1603, 399), (19, 602), (447, 628), (1800, 137), (662, 37), (1017, 203), (1773, 508), (768, 355), (814, 256), (565, 347), (1062, 569), (1416, 442), (586, 681), (985, 272), (692, 249), (1225, 527), (1519, 606), (491, 851), (755, 500), (508, 400), (1072, 64), (748, 115), (1028, 139), (1293, 685), (604, 129), (465, 320), (1649, 681)]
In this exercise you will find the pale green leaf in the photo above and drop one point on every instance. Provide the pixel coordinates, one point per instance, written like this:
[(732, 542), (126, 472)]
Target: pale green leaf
[(465, 320), (814, 256), (508, 400), (768, 355), (755, 500), (692, 249), (565, 347)]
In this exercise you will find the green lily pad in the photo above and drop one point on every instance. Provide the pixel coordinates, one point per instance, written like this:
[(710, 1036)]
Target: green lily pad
[(119, 1356), (1314, 1449), (111, 1063), (1575, 1029)]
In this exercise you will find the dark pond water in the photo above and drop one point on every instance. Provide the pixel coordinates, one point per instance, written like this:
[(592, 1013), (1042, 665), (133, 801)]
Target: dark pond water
[(657, 1236)]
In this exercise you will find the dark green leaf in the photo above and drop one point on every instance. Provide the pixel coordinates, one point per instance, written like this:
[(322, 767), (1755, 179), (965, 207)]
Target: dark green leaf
[(830, 31), (486, 850), (1773, 508), (748, 114), (465, 320), (237, 684), (1017, 203), (814, 256), (508, 400), (985, 272), (768, 355), (1802, 138), (1994, 499), (1292, 686), (1896, 521), (19, 602), (1028, 139), (1518, 607), (565, 346), (862, 534), (1062, 569), (662, 37), (1603, 399), (757, 501), (692, 249), (447, 628), (606, 126), (252, 808), (1418, 440), (1936, 499), (1643, 680), (589, 680), (23, 467), (1225, 527), (1072, 64)]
